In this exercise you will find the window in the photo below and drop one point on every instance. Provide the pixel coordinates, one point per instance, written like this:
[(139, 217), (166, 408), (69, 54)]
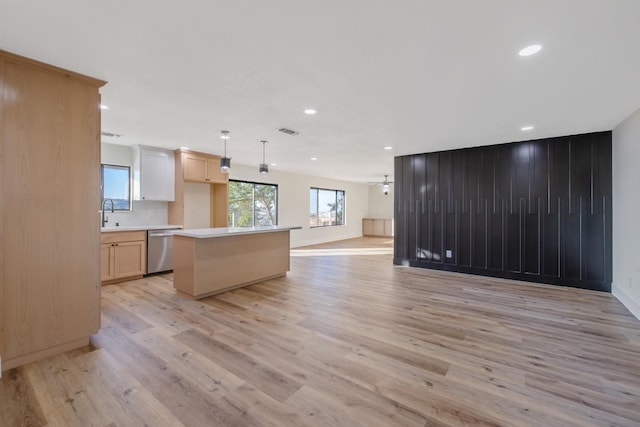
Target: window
[(252, 204), (116, 185), (326, 207)]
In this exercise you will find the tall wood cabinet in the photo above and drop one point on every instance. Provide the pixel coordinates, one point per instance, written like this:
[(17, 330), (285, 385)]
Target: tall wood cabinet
[(49, 198), (192, 166)]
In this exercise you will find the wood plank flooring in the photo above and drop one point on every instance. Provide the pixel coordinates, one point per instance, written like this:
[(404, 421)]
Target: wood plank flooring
[(346, 339)]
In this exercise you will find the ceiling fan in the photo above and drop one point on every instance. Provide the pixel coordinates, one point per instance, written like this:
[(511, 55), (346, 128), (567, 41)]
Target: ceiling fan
[(385, 184)]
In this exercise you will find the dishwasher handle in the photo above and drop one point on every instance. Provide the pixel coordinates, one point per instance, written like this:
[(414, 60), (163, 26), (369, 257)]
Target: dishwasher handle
[(160, 234)]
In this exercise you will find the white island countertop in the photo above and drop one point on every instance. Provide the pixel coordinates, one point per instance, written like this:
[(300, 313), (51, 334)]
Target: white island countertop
[(139, 228), (206, 233)]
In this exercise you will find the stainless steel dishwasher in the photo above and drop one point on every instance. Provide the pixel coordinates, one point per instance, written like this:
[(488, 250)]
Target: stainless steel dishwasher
[(159, 250)]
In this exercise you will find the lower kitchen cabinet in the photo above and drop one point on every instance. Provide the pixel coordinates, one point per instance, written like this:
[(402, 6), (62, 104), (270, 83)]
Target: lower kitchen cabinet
[(123, 256), (377, 227)]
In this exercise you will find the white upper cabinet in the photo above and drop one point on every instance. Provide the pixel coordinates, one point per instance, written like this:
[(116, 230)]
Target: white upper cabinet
[(153, 174)]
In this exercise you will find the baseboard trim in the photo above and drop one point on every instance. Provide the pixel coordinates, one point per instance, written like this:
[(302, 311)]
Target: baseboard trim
[(61, 348), (318, 241), (626, 300)]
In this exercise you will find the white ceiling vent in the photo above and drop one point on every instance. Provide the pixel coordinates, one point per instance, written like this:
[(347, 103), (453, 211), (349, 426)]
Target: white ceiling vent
[(288, 131), (111, 134)]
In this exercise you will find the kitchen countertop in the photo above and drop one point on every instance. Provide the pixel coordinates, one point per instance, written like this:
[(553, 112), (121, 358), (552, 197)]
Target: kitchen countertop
[(205, 233), (139, 228)]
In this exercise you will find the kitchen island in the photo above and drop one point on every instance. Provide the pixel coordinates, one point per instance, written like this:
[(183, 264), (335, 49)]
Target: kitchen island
[(208, 261)]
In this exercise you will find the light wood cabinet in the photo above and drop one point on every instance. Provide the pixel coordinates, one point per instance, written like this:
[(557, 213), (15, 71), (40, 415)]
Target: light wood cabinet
[(202, 168), (206, 266), (214, 174), (377, 227), (106, 262), (388, 227), (153, 174), (123, 256), (49, 193), (195, 168), (191, 166)]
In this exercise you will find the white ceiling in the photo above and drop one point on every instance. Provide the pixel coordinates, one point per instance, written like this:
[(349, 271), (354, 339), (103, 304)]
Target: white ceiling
[(418, 75)]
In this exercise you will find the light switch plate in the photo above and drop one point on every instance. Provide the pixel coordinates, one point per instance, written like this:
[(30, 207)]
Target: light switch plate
[(449, 254)]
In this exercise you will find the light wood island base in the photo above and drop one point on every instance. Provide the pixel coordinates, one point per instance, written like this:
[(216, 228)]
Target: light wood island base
[(208, 265)]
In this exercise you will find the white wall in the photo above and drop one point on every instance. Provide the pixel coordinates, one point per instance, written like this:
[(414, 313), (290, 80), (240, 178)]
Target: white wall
[(143, 212), (113, 154), (380, 206), (293, 203), (626, 205)]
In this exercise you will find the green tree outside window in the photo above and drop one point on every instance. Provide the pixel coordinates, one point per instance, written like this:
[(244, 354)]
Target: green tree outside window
[(252, 204)]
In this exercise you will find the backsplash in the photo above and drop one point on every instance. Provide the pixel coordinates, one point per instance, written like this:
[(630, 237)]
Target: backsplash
[(143, 213)]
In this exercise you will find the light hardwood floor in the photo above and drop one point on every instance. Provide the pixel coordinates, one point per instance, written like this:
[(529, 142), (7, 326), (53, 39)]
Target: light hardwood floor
[(346, 339)]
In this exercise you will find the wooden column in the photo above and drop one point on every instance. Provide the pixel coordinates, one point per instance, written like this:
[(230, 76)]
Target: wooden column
[(49, 203)]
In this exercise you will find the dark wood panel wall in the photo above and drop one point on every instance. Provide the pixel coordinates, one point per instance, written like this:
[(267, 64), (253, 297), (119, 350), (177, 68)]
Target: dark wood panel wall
[(536, 210)]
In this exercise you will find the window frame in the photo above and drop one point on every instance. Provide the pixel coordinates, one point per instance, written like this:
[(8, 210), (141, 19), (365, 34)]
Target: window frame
[(130, 198), (344, 204), (254, 183)]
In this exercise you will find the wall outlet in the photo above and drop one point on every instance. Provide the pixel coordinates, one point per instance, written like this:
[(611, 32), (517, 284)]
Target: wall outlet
[(449, 253)]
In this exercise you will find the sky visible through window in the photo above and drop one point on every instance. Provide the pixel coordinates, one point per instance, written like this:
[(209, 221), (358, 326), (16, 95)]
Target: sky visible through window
[(326, 207), (116, 181)]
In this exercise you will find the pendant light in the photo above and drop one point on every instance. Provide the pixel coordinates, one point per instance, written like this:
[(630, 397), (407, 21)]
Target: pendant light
[(225, 162), (264, 167)]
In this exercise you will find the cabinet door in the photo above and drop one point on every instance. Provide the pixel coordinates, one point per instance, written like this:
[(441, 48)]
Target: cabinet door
[(388, 227), (106, 262), (157, 175), (129, 259), (378, 227), (195, 168), (367, 227), (213, 171)]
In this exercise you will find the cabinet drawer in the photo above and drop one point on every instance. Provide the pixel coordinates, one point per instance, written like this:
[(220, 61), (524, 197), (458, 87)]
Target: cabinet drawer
[(122, 236)]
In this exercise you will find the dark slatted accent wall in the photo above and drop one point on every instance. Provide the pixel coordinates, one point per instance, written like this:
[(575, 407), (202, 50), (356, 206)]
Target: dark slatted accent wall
[(536, 210)]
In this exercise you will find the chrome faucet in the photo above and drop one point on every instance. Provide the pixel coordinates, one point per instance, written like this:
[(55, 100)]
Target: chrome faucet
[(105, 219)]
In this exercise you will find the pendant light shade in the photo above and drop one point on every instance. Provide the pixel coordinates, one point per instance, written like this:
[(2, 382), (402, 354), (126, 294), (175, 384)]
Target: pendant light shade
[(225, 162), (264, 167)]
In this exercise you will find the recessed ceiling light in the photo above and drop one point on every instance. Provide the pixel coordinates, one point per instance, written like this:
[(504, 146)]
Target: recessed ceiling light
[(530, 50), (388, 148), (314, 158), (104, 107), (184, 148), (526, 128), (310, 111), (273, 164)]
